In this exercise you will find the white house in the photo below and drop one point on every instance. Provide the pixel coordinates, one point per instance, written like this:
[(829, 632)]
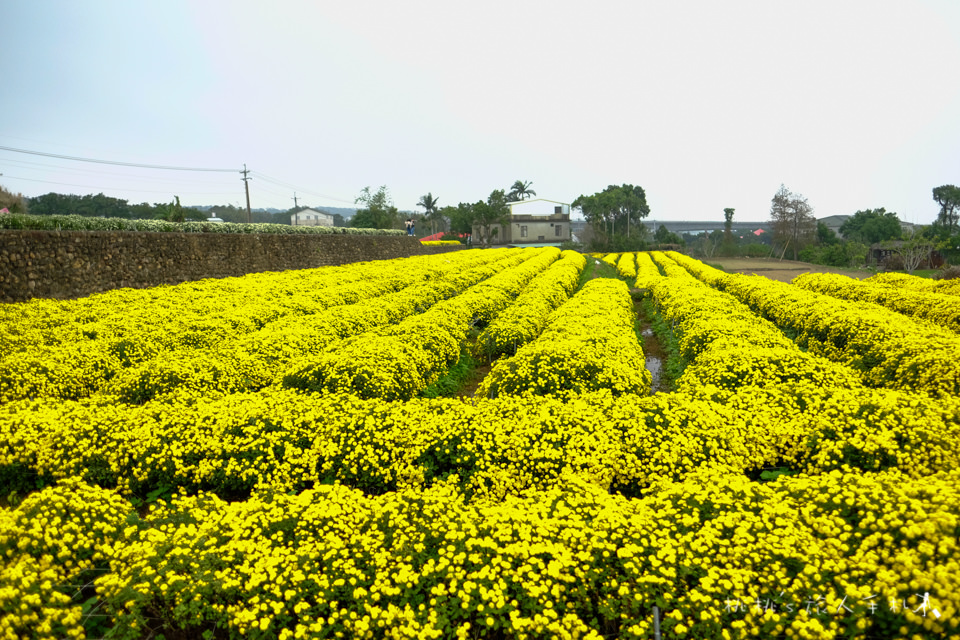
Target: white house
[(537, 221), (311, 218)]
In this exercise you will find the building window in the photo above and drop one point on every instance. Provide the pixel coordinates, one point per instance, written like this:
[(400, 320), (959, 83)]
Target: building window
[(523, 231), (541, 238), (558, 210), (559, 229)]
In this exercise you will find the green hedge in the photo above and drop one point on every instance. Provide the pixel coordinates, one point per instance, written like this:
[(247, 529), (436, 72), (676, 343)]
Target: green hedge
[(83, 223)]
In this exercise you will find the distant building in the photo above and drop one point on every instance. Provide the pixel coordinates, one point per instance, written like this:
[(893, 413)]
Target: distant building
[(533, 222), (834, 223), (311, 218)]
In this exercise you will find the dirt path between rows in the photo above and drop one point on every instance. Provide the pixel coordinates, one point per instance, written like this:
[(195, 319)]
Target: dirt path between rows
[(653, 352), (468, 392)]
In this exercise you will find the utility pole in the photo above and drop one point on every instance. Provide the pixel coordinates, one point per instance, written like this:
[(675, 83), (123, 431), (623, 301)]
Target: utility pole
[(294, 199), (246, 187)]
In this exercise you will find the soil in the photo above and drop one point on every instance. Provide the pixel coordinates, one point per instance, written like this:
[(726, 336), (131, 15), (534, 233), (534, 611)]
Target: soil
[(782, 270), (469, 391)]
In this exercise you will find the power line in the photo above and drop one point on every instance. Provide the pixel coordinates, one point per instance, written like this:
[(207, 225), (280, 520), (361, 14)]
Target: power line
[(33, 166), (246, 173), (114, 162)]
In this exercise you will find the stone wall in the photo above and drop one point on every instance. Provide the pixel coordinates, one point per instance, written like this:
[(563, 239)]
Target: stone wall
[(72, 264)]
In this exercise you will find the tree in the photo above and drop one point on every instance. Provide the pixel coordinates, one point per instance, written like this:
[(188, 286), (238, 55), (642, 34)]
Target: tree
[(872, 225), (710, 242), (429, 204), (378, 212), (460, 217), (14, 203), (826, 235), (486, 215), (793, 222), (98, 205), (948, 197), (728, 225), (665, 236), (915, 250), (615, 210), (520, 191), (172, 212)]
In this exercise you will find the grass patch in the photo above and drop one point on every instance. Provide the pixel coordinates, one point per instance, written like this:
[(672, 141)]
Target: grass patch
[(674, 365), (596, 268), (458, 377)]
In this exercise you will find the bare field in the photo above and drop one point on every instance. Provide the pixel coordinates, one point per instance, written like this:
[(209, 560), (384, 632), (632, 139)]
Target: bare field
[(782, 270)]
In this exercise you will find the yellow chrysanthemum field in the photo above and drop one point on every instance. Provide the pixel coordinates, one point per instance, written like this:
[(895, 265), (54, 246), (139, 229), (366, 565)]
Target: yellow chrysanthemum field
[(259, 457)]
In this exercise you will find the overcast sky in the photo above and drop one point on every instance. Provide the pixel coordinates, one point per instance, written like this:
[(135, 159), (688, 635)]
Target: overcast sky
[(704, 104)]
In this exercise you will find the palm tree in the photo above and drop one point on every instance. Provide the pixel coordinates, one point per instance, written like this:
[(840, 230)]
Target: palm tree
[(429, 203), (521, 190)]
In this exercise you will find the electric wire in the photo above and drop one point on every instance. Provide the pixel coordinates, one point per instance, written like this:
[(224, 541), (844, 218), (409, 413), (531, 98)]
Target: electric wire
[(257, 174), (32, 166), (281, 183), (116, 162)]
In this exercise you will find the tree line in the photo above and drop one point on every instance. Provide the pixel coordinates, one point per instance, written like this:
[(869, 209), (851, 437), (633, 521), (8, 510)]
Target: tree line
[(796, 230), (103, 206)]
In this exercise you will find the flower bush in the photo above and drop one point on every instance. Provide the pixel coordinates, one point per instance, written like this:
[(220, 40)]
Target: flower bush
[(588, 344), (627, 266), (223, 335), (402, 360), (939, 308), (888, 349), (523, 321)]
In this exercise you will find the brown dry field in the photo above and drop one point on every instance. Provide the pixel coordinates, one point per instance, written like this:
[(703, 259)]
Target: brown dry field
[(782, 270)]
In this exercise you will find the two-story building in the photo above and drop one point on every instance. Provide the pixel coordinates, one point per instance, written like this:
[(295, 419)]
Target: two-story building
[(539, 222), (311, 218)]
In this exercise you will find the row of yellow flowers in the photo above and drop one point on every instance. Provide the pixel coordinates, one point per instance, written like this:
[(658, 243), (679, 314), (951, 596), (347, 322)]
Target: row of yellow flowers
[(836, 555), (627, 266), (939, 308), (402, 360), (888, 349), (916, 283), (647, 271), (523, 321), (731, 349), (588, 344), (176, 316), (216, 330), (728, 345), (263, 358), (290, 441)]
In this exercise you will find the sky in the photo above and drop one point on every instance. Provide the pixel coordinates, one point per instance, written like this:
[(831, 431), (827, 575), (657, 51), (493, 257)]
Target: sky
[(706, 105)]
